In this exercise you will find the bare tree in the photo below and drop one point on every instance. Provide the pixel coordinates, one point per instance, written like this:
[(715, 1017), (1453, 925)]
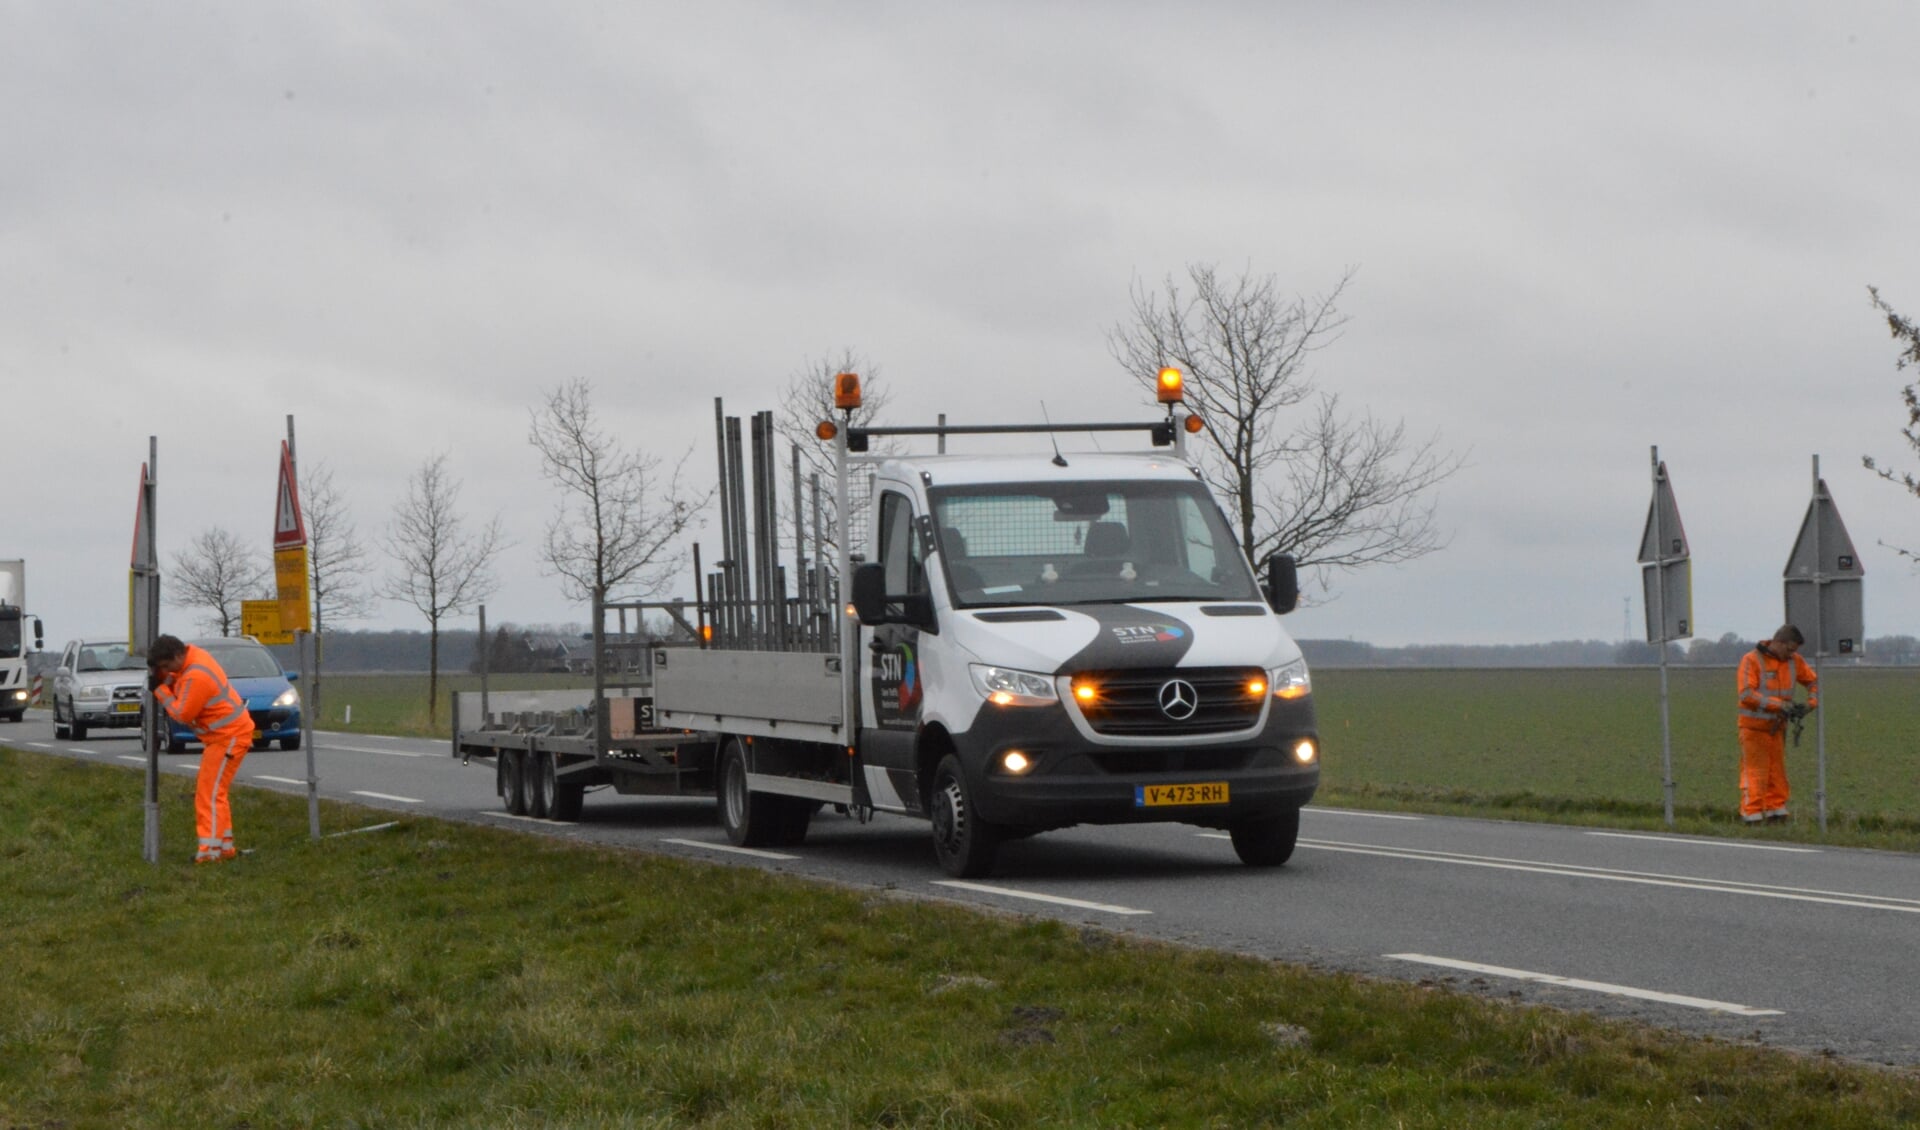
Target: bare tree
[(443, 569), (216, 572), (336, 564), (807, 400), (1908, 335), (617, 523), (1336, 492)]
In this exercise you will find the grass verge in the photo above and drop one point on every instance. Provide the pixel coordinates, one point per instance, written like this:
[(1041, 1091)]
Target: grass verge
[(440, 974)]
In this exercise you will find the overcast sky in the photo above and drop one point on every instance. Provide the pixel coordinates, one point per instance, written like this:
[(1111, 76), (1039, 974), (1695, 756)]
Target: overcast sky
[(1575, 231)]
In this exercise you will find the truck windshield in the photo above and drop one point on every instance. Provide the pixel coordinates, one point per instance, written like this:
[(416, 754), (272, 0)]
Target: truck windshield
[(10, 637), (1086, 543)]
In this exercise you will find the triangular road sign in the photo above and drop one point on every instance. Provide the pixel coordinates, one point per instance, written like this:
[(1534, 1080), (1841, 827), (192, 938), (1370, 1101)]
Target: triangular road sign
[(1823, 548), (142, 557), (1664, 538), (289, 527)]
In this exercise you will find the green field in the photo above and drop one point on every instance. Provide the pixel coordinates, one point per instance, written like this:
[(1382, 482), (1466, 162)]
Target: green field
[(1585, 743), (448, 975), (397, 704), (1574, 745)]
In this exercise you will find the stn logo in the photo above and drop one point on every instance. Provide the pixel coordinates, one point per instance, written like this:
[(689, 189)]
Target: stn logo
[(1148, 633)]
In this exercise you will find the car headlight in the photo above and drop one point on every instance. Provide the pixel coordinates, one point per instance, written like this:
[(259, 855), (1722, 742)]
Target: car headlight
[(93, 692), (1004, 686), (1291, 681), (288, 697)]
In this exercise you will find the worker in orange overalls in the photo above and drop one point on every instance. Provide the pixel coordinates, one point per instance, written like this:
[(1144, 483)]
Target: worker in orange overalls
[(1766, 679), (190, 686)]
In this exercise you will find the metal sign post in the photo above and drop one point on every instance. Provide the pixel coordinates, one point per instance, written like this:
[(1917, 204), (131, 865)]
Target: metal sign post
[(1667, 584), (1823, 591), (290, 565), (143, 624)]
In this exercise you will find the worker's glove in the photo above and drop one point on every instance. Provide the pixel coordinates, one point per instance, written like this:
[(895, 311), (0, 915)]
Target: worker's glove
[(1796, 711)]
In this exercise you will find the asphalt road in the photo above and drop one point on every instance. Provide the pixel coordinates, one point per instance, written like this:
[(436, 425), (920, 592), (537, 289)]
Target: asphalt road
[(1804, 947)]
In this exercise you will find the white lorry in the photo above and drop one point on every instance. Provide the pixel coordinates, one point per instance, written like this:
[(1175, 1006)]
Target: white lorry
[(16, 682), (1035, 642)]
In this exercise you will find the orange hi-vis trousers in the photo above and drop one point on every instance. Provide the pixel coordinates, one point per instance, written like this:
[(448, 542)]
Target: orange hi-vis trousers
[(219, 764), (1763, 771)]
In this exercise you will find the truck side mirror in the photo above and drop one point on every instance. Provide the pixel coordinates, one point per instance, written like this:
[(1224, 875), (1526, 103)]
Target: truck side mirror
[(870, 594), (872, 602), (1283, 583), (39, 635)]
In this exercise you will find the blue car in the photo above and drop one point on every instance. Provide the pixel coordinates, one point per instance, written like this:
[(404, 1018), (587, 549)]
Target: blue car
[(257, 678)]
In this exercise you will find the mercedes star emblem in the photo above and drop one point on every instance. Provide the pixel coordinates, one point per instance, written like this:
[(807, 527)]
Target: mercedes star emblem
[(1178, 699)]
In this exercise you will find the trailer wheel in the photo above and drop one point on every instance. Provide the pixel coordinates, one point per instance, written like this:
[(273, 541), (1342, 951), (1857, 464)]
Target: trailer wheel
[(1268, 841), (514, 781), (964, 843), (536, 768), (567, 801)]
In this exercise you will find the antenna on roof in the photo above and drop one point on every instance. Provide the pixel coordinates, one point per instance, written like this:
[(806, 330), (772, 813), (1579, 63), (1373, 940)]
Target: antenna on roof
[(1059, 460)]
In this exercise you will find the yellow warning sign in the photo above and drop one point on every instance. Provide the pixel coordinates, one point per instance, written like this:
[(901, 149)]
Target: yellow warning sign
[(261, 620), (290, 577)]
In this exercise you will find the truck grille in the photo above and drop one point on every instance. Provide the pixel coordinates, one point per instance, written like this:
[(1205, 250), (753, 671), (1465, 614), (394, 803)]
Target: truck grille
[(1130, 703)]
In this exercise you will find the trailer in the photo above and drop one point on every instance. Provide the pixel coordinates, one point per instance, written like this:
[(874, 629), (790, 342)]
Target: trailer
[(1026, 643)]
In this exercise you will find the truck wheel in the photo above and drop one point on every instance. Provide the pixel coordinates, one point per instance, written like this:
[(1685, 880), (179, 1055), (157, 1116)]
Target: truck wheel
[(513, 764), (1268, 841), (567, 801), (796, 813), (964, 843), (538, 770), (751, 819)]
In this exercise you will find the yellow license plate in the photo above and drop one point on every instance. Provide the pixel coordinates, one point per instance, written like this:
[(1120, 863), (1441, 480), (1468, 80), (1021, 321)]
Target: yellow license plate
[(1156, 796), (126, 707)]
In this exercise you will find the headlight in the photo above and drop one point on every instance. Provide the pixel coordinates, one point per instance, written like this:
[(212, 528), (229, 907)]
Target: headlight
[(288, 697), (1292, 681), (1004, 686), (94, 692)]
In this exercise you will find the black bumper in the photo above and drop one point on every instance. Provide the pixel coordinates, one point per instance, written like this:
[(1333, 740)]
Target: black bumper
[(1074, 781)]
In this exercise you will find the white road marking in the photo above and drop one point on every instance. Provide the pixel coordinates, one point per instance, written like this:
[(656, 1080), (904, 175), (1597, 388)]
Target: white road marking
[(39, 745), (278, 780), (510, 816), (1008, 892), (389, 796), (123, 757), (331, 748), (1650, 879), (1589, 986), (730, 848), (372, 737), (1360, 812), (1703, 841)]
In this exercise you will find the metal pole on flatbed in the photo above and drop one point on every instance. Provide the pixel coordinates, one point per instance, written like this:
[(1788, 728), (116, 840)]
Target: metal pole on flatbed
[(483, 673), (599, 672), (848, 637)]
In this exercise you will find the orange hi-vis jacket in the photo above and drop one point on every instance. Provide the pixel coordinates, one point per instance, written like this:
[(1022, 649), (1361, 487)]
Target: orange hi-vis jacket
[(1766, 687), (201, 699)]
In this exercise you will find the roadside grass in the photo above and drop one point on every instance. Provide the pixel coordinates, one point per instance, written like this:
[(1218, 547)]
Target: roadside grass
[(1583, 746), (440, 974)]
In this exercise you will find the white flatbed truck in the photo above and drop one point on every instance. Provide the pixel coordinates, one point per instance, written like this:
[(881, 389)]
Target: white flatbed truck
[(1034, 642)]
